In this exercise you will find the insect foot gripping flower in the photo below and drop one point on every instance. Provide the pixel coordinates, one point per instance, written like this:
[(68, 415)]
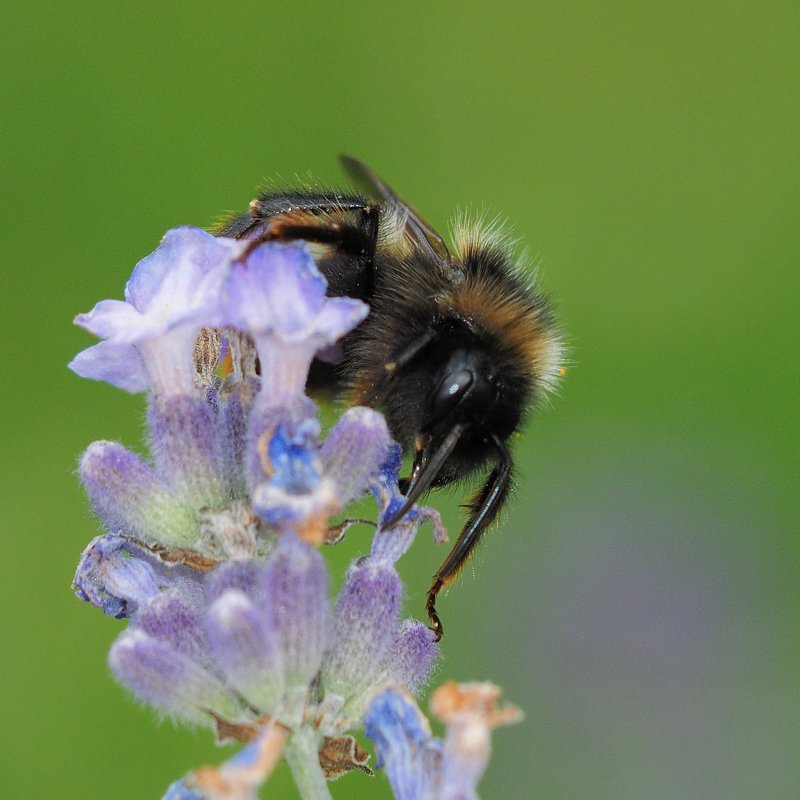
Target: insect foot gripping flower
[(211, 542)]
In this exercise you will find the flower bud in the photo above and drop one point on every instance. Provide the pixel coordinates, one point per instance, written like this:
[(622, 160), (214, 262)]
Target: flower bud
[(412, 655), (185, 449), (130, 498), (296, 590), (169, 680), (354, 452), (110, 579), (363, 627), (245, 649)]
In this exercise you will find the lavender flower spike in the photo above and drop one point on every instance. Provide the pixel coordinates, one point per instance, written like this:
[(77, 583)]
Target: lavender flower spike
[(212, 544)]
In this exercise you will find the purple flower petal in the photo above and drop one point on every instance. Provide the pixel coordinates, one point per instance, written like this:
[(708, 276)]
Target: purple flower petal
[(279, 290), (295, 496), (392, 543), (278, 296), (181, 279), (121, 365), (339, 316), (111, 319), (176, 284), (171, 294), (303, 514), (293, 457)]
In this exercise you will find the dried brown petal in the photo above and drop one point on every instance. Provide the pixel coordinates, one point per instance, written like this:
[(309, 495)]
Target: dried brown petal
[(342, 754), (228, 731), (181, 556), (335, 533), (475, 700)]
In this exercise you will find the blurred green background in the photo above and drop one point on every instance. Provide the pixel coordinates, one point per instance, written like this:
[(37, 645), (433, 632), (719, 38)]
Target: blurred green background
[(640, 603)]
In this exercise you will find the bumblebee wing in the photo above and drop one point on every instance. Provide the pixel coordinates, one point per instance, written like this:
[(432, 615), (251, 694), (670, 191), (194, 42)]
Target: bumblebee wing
[(417, 229)]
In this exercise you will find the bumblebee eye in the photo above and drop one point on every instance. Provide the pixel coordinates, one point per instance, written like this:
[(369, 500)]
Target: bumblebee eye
[(451, 391)]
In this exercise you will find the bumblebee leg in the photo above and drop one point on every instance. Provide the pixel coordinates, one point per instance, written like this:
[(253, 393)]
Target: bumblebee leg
[(348, 233), (484, 508), (268, 207), (346, 236), (430, 609), (348, 223)]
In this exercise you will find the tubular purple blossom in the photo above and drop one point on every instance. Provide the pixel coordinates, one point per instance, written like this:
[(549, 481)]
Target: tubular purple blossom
[(175, 617), (170, 295), (404, 743), (355, 450), (296, 590), (235, 400), (107, 577), (413, 654), (244, 646), (186, 451), (278, 297)]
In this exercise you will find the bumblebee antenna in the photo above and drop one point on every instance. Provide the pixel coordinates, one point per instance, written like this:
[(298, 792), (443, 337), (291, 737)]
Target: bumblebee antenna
[(390, 368)]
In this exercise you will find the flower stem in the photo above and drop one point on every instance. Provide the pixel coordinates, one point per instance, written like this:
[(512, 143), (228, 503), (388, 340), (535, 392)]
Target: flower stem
[(302, 755)]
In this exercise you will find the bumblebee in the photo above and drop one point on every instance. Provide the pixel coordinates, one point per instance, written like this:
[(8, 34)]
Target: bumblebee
[(458, 346)]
